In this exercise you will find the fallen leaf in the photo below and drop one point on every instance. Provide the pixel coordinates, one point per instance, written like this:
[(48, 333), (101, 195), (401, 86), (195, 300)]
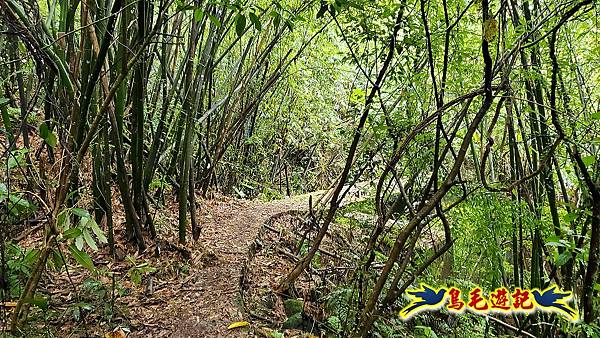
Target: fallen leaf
[(237, 324), (117, 333)]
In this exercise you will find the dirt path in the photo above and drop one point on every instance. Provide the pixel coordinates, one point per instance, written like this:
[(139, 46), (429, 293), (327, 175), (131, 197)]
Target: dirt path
[(206, 302)]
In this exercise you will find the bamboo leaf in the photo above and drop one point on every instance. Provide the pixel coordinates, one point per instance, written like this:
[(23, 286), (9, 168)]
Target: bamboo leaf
[(214, 20), (89, 240), (79, 242), (98, 232), (72, 233), (322, 10), (588, 160), (80, 212), (276, 19), (82, 258)]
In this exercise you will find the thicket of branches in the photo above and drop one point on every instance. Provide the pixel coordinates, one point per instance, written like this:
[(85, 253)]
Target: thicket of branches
[(436, 104)]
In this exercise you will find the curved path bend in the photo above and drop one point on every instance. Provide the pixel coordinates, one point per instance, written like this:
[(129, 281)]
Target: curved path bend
[(206, 302)]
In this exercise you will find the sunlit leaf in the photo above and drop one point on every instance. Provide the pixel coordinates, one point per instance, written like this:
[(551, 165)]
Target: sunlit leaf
[(98, 232), (570, 217), (198, 14), (89, 240), (588, 160), (214, 20), (237, 324), (79, 242), (80, 212)]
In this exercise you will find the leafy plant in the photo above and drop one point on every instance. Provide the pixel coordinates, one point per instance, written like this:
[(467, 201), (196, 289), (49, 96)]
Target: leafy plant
[(18, 206), (137, 271), (82, 232)]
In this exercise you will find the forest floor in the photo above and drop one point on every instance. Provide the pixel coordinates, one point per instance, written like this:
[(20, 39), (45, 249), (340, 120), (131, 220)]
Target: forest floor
[(207, 307), (194, 290)]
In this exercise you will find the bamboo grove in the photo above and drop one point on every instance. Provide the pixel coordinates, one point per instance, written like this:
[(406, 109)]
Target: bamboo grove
[(437, 105)]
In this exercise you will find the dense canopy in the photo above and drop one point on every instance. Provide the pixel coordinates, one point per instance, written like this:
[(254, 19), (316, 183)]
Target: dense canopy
[(444, 143)]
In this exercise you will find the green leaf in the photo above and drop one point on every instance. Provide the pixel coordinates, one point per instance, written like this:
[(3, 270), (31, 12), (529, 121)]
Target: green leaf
[(588, 160), (289, 24), (72, 233), (17, 158), (31, 256), (80, 212), (40, 302), (63, 220), (554, 241), (82, 258), (52, 140), (3, 192), (79, 242), (596, 116), (57, 259), (3, 101), (44, 131), (255, 20), (563, 258), (47, 135), (276, 19), (198, 14), (98, 232), (570, 217), (214, 20), (146, 269), (322, 10), (240, 24), (136, 276), (89, 240)]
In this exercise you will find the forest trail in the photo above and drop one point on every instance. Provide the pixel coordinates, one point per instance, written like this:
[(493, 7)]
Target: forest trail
[(208, 300)]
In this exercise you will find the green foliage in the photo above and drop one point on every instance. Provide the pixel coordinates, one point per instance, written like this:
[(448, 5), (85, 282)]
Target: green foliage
[(82, 232), (17, 206), (47, 135), (19, 262), (137, 271), (82, 258), (341, 309)]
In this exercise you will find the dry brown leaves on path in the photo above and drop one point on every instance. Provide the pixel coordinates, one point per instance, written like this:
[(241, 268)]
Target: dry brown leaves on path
[(206, 302)]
